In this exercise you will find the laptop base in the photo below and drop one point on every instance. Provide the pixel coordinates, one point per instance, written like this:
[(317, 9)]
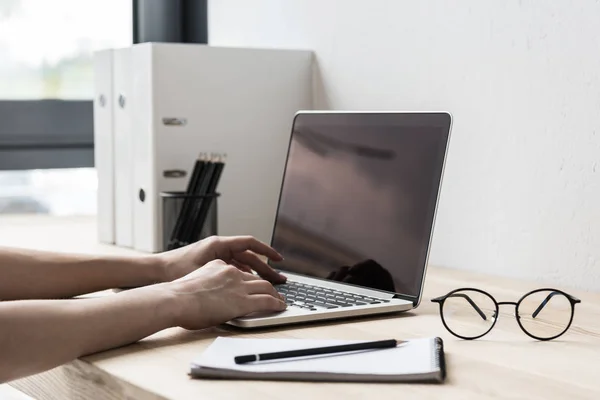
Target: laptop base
[(295, 315)]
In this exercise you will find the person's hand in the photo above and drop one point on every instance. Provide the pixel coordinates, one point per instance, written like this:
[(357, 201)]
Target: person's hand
[(219, 292), (240, 251)]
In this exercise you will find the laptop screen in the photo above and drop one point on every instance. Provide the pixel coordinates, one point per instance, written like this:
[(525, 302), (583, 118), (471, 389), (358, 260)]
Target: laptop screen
[(358, 197)]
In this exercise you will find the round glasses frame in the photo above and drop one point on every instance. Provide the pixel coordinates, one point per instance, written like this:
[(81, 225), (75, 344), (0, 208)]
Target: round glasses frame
[(441, 300)]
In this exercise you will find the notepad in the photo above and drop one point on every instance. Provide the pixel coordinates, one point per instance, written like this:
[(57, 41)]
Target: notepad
[(417, 360)]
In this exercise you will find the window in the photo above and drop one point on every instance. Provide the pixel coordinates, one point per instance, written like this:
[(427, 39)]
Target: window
[(48, 191), (46, 47), (46, 90)]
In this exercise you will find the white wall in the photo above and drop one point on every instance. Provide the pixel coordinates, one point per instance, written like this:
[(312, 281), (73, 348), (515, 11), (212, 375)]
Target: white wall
[(521, 195)]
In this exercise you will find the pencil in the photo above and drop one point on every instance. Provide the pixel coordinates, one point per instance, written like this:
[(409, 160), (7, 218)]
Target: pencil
[(380, 344), (187, 202), (210, 192), (188, 236)]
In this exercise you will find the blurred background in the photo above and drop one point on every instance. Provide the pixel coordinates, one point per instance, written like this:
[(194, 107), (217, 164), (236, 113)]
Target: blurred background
[(47, 85), (46, 52)]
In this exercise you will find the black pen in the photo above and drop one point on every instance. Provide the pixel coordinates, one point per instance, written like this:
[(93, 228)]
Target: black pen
[(380, 344)]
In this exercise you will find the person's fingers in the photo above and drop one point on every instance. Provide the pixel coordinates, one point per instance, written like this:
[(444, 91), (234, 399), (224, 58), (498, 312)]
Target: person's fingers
[(241, 267), (238, 244), (262, 268), (249, 276), (263, 287), (265, 302)]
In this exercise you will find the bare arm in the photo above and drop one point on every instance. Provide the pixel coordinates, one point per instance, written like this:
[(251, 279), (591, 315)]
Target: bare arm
[(37, 335), (30, 274)]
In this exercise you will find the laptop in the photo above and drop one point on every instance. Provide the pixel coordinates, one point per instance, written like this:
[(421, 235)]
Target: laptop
[(356, 213)]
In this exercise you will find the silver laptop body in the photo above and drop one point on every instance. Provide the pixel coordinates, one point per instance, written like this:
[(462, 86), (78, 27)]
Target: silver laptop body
[(356, 213)]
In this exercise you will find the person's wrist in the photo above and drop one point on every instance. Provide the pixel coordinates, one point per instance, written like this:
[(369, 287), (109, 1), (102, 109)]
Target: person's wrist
[(182, 302), (175, 306), (156, 266), (167, 303), (126, 271)]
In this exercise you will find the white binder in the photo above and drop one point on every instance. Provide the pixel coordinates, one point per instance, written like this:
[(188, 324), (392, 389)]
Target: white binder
[(123, 146), (103, 145), (190, 99)]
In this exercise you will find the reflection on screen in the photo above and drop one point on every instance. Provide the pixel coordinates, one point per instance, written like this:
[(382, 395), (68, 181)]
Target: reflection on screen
[(357, 202)]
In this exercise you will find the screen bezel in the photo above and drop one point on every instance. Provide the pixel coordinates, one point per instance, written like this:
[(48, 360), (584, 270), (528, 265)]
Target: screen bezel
[(435, 119)]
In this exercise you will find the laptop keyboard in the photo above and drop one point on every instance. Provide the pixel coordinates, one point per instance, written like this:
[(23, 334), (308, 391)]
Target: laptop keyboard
[(312, 297)]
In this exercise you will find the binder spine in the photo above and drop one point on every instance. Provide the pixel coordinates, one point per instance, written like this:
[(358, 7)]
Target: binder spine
[(103, 144)]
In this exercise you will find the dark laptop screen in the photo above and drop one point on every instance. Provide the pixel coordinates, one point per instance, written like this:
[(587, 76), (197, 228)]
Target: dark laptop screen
[(358, 197)]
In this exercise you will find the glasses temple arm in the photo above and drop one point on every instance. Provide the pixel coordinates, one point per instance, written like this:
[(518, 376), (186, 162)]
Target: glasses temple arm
[(471, 302), (546, 300)]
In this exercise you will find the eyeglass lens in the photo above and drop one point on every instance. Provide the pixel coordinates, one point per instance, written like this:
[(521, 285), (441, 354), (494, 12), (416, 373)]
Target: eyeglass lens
[(545, 314), (469, 313)]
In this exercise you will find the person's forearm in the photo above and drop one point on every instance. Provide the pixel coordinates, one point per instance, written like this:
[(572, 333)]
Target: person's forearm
[(37, 335), (28, 274)]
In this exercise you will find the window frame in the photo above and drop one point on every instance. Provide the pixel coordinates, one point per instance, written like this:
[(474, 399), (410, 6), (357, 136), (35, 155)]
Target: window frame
[(47, 133)]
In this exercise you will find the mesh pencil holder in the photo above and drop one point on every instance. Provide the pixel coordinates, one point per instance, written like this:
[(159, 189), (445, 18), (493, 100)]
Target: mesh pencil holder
[(187, 218)]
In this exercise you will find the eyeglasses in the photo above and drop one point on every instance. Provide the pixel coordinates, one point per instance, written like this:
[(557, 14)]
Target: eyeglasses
[(543, 314)]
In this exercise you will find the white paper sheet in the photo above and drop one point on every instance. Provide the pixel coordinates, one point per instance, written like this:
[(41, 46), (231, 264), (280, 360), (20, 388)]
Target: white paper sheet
[(418, 356)]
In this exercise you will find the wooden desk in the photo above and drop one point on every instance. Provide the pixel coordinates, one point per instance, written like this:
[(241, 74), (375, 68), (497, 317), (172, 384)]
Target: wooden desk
[(504, 364)]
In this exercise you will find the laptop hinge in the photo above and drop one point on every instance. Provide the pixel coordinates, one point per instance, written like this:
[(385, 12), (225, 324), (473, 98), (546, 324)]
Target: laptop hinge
[(408, 298)]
